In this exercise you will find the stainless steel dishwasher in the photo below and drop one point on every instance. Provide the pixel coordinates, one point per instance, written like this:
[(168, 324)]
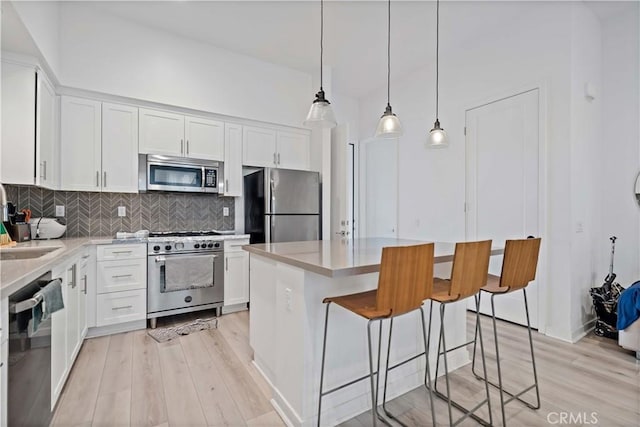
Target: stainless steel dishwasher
[(29, 370)]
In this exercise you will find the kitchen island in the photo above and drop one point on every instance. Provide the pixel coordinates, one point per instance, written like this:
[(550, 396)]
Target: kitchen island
[(288, 282)]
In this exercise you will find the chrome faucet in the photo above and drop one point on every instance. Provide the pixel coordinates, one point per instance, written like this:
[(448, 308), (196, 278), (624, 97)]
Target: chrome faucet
[(3, 202)]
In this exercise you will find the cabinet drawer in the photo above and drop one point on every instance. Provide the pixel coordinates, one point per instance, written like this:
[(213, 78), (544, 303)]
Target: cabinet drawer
[(115, 276), (128, 251), (120, 307), (235, 245)]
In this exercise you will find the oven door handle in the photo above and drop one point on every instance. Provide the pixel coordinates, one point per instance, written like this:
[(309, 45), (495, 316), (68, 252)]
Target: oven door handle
[(160, 259)]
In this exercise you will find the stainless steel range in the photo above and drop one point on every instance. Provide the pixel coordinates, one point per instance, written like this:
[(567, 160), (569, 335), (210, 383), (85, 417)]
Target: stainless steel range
[(185, 273)]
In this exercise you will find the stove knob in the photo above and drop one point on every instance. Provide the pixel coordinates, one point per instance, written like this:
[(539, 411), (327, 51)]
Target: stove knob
[(179, 246), (167, 248), (156, 248), (196, 246), (217, 245), (210, 245)]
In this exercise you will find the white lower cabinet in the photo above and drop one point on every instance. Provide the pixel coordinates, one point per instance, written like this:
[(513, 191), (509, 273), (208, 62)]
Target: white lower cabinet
[(59, 365), (236, 272), (121, 284)]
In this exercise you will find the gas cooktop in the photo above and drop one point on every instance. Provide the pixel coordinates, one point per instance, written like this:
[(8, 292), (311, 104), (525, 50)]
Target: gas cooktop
[(189, 233)]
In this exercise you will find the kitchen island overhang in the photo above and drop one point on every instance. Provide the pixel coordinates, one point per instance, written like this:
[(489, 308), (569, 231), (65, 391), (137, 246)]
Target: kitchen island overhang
[(288, 282)]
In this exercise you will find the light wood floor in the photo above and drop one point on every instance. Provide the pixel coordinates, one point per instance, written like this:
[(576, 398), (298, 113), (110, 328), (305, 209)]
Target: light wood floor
[(207, 378)]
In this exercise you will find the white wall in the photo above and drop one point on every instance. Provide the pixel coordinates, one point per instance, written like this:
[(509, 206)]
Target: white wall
[(586, 149), (104, 53), (432, 182), (41, 18), (620, 155)]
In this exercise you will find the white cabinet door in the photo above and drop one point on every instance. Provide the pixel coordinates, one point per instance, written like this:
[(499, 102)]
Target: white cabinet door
[(161, 132), (204, 138), (47, 149), (236, 278), (83, 283), (17, 152), (119, 148), (80, 143), (71, 305), (59, 343), (233, 160), (294, 150), (259, 147)]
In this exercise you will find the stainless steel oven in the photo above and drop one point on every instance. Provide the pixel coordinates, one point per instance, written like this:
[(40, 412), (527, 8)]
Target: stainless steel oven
[(185, 274), (166, 173)]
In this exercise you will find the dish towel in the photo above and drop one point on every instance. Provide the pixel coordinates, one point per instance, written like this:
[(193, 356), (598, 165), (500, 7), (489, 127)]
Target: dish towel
[(182, 273), (629, 306)]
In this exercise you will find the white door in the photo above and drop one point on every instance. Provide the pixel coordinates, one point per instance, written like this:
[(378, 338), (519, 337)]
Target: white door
[(341, 183), (259, 147), (46, 149), (294, 150), (204, 138), (502, 186), (80, 135), (161, 132), (119, 148), (236, 278), (233, 160), (378, 211)]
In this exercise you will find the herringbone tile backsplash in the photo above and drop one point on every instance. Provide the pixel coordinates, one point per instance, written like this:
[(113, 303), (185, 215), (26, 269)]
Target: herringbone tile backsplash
[(96, 214)]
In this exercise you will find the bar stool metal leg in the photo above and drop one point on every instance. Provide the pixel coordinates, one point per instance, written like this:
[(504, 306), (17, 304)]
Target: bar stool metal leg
[(533, 359), (374, 385), (324, 350)]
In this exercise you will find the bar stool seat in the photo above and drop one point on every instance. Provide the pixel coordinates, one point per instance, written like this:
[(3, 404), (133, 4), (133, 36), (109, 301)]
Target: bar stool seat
[(441, 291), (362, 304), (493, 285)]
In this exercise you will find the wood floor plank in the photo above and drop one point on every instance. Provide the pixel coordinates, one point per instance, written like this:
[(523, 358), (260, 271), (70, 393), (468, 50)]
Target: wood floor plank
[(113, 410), (251, 402), (181, 397), (270, 419), (148, 406), (78, 400), (117, 370), (217, 403)]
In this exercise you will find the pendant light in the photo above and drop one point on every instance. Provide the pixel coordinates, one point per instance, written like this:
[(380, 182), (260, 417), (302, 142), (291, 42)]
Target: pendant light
[(438, 137), (321, 114), (389, 125)]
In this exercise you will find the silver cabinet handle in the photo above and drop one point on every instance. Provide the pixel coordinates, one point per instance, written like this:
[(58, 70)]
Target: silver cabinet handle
[(45, 169), (123, 307), (120, 276), (121, 252), (72, 283), (97, 178), (182, 146), (226, 185), (84, 279), (274, 159), (278, 158), (85, 256), (226, 264), (187, 147), (104, 181)]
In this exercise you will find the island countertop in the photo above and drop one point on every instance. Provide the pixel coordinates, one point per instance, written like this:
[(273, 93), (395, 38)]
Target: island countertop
[(340, 258)]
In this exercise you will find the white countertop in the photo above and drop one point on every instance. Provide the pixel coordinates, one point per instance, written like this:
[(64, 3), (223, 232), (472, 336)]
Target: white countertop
[(339, 258), (15, 274)]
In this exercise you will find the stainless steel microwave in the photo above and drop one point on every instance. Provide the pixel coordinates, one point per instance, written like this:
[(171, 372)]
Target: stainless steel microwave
[(167, 173)]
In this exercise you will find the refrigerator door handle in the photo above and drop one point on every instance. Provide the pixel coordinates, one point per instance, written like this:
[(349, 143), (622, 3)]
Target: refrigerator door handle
[(272, 194), (267, 228)]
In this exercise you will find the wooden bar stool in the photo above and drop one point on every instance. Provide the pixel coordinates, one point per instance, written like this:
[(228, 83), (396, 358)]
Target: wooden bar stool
[(518, 270), (406, 275), (468, 275)]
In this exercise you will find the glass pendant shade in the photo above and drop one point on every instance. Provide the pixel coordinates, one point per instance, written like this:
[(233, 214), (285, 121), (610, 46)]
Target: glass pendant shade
[(389, 125), (438, 137), (320, 114)]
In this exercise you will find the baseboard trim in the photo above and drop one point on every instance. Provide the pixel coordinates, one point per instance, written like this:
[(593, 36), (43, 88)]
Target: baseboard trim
[(101, 331)]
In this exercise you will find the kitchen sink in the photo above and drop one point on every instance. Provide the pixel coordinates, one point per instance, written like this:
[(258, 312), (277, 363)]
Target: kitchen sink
[(9, 254)]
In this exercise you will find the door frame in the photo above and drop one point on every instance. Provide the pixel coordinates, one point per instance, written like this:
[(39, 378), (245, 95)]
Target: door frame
[(499, 95), (362, 194)]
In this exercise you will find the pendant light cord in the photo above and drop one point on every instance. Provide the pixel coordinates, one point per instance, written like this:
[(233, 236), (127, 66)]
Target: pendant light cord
[(321, 38), (389, 53), (437, 55)]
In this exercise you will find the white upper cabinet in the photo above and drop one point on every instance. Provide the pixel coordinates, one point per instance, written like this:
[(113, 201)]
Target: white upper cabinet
[(80, 134), (47, 147), (294, 150), (281, 149), (161, 132), (17, 152), (259, 147), (119, 148), (233, 160), (204, 138)]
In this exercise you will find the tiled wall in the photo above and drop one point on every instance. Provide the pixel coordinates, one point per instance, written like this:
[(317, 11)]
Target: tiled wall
[(96, 214)]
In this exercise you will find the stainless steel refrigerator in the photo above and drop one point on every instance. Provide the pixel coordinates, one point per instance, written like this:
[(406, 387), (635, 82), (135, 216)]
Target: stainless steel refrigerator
[(281, 205)]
